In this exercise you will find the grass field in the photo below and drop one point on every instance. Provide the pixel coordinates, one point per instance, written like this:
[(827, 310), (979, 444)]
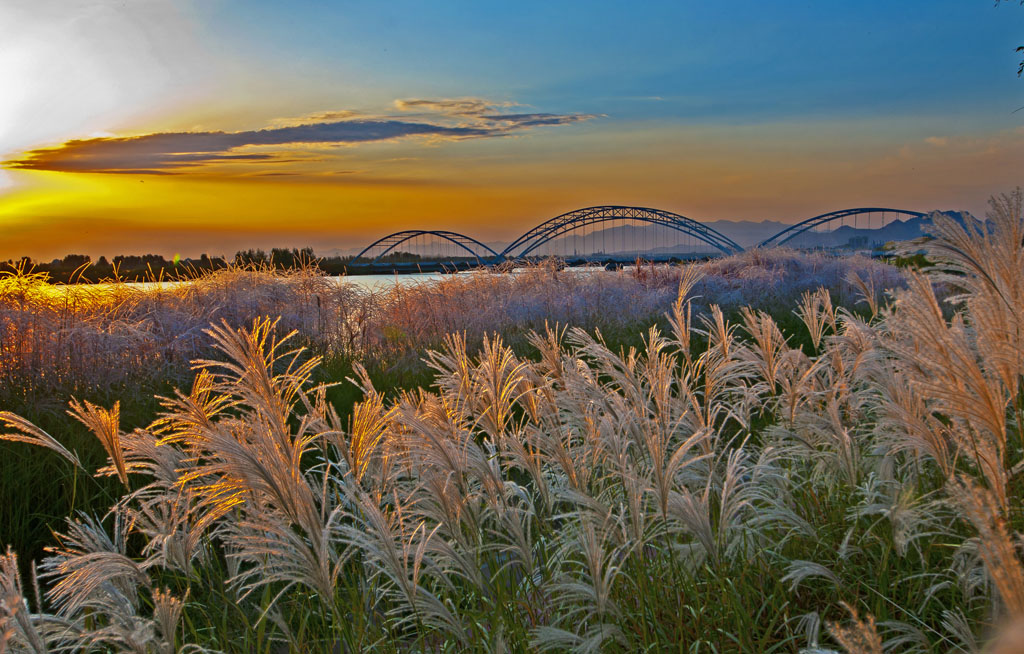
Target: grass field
[(732, 456)]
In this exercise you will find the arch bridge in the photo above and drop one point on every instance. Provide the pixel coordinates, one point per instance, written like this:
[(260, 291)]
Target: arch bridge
[(580, 219), (601, 221), (459, 245), (833, 217)]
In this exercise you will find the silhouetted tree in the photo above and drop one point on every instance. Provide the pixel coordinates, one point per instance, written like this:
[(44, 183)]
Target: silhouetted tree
[(284, 258), (75, 261), (251, 257)]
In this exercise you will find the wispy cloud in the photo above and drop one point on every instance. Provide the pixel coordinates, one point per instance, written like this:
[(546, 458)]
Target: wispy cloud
[(477, 111), (178, 152), (453, 106), (536, 120), (316, 117)]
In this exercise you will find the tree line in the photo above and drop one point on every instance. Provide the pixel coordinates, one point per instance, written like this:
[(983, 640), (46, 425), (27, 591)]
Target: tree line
[(144, 267), (74, 268)]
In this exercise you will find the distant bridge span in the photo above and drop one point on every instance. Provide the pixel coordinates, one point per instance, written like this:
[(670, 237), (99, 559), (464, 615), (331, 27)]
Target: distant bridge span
[(806, 225), (471, 246), (565, 223), (573, 220)]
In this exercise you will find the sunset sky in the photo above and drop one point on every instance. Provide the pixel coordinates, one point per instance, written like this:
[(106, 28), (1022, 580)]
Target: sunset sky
[(178, 126)]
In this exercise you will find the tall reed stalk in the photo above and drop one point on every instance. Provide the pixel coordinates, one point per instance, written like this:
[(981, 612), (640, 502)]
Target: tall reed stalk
[(723, 485)]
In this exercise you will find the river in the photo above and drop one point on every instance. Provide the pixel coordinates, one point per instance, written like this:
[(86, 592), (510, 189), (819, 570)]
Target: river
[(367, 282), (381, 282)]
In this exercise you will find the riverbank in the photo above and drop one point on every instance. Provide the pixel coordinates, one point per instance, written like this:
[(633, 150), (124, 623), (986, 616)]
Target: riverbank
[(126, 342), (788, 458)]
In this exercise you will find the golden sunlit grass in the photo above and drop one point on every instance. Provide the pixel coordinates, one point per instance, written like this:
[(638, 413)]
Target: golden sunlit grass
[(87, 336), (60, 340), (726, 485), (126, 343)]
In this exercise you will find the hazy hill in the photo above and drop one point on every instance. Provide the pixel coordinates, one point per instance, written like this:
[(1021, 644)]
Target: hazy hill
[(847, 236), (656, 239)]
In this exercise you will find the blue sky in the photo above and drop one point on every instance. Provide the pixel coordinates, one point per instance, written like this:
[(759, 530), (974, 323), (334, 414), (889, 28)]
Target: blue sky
[(327, 123), (732, 62)]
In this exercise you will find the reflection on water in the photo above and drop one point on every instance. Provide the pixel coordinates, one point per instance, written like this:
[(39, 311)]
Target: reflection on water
[(367, 282), (382, 282)]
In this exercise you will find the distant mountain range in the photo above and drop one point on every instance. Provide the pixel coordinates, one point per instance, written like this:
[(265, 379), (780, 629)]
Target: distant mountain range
[(661, 240), (749, 233), (852, 237)]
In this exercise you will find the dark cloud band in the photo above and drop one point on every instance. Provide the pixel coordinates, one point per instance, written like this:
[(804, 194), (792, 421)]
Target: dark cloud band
[(169, 152)]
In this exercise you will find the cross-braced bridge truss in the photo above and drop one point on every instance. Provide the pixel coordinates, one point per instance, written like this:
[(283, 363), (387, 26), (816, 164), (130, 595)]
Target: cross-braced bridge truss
[(834, 217), (464, 246), (582, 218)]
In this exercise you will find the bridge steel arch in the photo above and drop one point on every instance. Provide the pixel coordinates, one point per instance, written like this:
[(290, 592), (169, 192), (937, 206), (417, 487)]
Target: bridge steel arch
[(806, 225), (472, 246), (573, 220)]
